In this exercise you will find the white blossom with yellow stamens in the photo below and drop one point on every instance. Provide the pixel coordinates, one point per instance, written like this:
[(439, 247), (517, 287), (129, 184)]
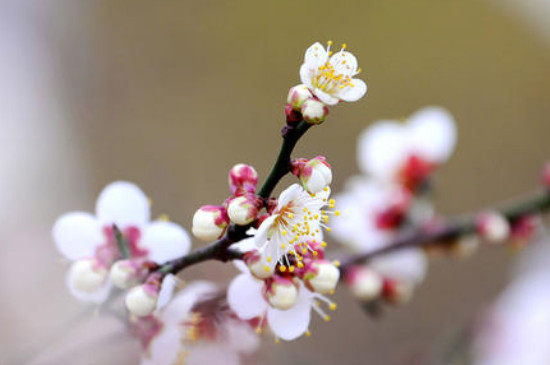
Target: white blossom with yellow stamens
[(298, 219), (330, 77)]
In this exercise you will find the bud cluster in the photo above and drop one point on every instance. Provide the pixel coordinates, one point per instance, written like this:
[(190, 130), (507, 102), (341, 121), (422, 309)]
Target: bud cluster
[(314, 174), (301, 104)]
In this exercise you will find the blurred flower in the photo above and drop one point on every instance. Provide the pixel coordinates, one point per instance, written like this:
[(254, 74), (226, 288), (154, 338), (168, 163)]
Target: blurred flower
[(195, 329), (91, 241), (331, 76), (492, 227), (407, 153)]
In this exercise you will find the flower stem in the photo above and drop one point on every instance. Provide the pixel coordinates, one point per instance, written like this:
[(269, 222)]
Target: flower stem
[(220, 250), (448, 233), (121, 243)]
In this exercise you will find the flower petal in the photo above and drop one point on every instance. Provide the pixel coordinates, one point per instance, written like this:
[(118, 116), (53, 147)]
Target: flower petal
[(432, 133), (165, 241), (407, 264), (183, 301), (240, 336), (355, 92), (244, 297), (261, 236), (325, 98), (124, 204), (96, 297), (344, 63), (382, 149), (288, 195), (294, 322), (76, 235), (306, 75), (165, 346), (316, 55), (243, 246), (167, 288)]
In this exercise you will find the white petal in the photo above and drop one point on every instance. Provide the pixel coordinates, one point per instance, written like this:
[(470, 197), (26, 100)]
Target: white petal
[(407, 264), (294, 322), (325, 98), (166, 290), (382, 149), (77, 235), (212, 354), (244, 297), (315, 56), (165, 241), (184, 300), (289, 194), (432, 133), (344, 63), (245, 245), (165, 347), (260, 238), (355, 92), (124, 204), (306, 75), (240, 336), (97, 297)]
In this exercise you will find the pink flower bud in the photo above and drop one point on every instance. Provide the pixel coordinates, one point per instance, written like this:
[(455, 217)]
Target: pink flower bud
[(364, 283), (397, 291), (210, 222), (297, 95), (281, 293), (314, 111), (321, 276), (258, 265), (242, 210), (125, 274), (315, 174), (242, 179), (88, 275), (492, 227)]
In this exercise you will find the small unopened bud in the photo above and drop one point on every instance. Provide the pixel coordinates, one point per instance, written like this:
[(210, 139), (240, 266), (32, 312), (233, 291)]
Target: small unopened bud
[(142, 300), (258, 265), (242, 210), (297, 95), (364, 283), (88, 275), (321, 276), (314, 111), (242, 179), (126, 274), (492, 227), (281, 293), (210, 222), (397, 291), (315, 174)]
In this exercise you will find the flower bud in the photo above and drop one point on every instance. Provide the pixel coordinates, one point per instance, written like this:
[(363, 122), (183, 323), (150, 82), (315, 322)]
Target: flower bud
[(314, 111), (88, 275), (297, 95), (242, 179), (315, 174), (321, 276), (242, 210), (258, 265), (492, 227), (142, 300), (210, 222), (126, 274), (397, 291), (364, 283), (281, 293)]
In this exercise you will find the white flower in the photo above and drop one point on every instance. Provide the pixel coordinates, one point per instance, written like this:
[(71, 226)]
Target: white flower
[(245, 298), (297, 219), (82, 237), (425, 141), (331, 76), (183, 333)]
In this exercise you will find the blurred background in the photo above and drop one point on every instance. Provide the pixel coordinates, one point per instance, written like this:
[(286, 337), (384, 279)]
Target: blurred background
[(171, 94)]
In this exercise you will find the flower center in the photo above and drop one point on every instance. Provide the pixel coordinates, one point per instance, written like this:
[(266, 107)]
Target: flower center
[(109, 252), (329, 77)]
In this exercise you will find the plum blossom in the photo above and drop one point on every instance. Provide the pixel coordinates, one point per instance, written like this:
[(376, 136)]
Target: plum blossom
[(330, 77), (407, 153), (195, 328), (245, 297), (90, 241), (297, 219)]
